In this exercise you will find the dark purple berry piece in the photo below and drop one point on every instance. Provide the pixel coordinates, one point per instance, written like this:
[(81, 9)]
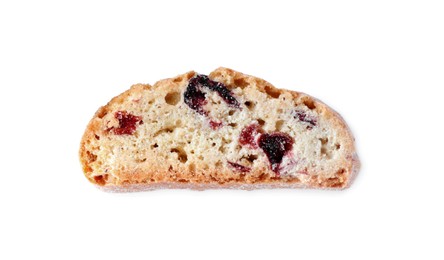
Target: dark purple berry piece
[(275, 146), (194, 97), (248, 135), (239, 167), (127, 123), (223, 92), (303, 117)]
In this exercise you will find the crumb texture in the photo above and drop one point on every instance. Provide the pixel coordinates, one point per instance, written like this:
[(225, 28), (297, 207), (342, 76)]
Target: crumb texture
[(218, 131)]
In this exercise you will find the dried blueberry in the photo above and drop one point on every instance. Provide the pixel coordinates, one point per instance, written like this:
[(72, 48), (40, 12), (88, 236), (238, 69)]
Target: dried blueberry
[(275, 146), (194, 97)]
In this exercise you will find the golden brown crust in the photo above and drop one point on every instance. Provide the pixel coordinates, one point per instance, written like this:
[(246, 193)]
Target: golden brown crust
[(153, 176)]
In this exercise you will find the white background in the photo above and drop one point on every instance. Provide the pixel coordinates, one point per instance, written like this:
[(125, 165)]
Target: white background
[(379, 63)]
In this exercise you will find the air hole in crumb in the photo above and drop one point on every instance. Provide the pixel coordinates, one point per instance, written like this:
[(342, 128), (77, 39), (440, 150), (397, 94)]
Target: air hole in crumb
[(279, 125), (309, 103), (102, 113), (293, 180), (261, 122), (240, 82), (91, 157), (164, 130), (151, 102), (272, 92), (101, 179), (181, 154), (97, 137), (250, 105), (140, 160), (172, 98), (251, 158), (336, 183), (190, 75), (183, 180), (262, 177), (232, 124), (222, 148), (213, 144), (324, 149), (216, 102), (192, 168), (231, 112), (337, 146), (154, 146), (280, 111)]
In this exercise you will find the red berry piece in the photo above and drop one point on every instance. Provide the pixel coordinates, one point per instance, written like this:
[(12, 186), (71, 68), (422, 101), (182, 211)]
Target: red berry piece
[(303, 117), (215, 125), (239, 167), (249, 134), (275, 146), (127, 123)]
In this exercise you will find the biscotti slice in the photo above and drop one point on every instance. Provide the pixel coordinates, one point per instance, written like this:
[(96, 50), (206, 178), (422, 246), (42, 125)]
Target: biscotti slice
[(225, 130)]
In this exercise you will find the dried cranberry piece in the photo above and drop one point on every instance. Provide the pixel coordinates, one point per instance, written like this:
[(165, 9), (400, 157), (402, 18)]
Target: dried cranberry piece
[(275, 146), (303, 117), (215, 125), (248, 135), (194, 97), (127, 123), (239, 167)]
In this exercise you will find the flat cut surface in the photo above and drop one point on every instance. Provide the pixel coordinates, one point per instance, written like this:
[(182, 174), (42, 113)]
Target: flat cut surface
[(228, 130)]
